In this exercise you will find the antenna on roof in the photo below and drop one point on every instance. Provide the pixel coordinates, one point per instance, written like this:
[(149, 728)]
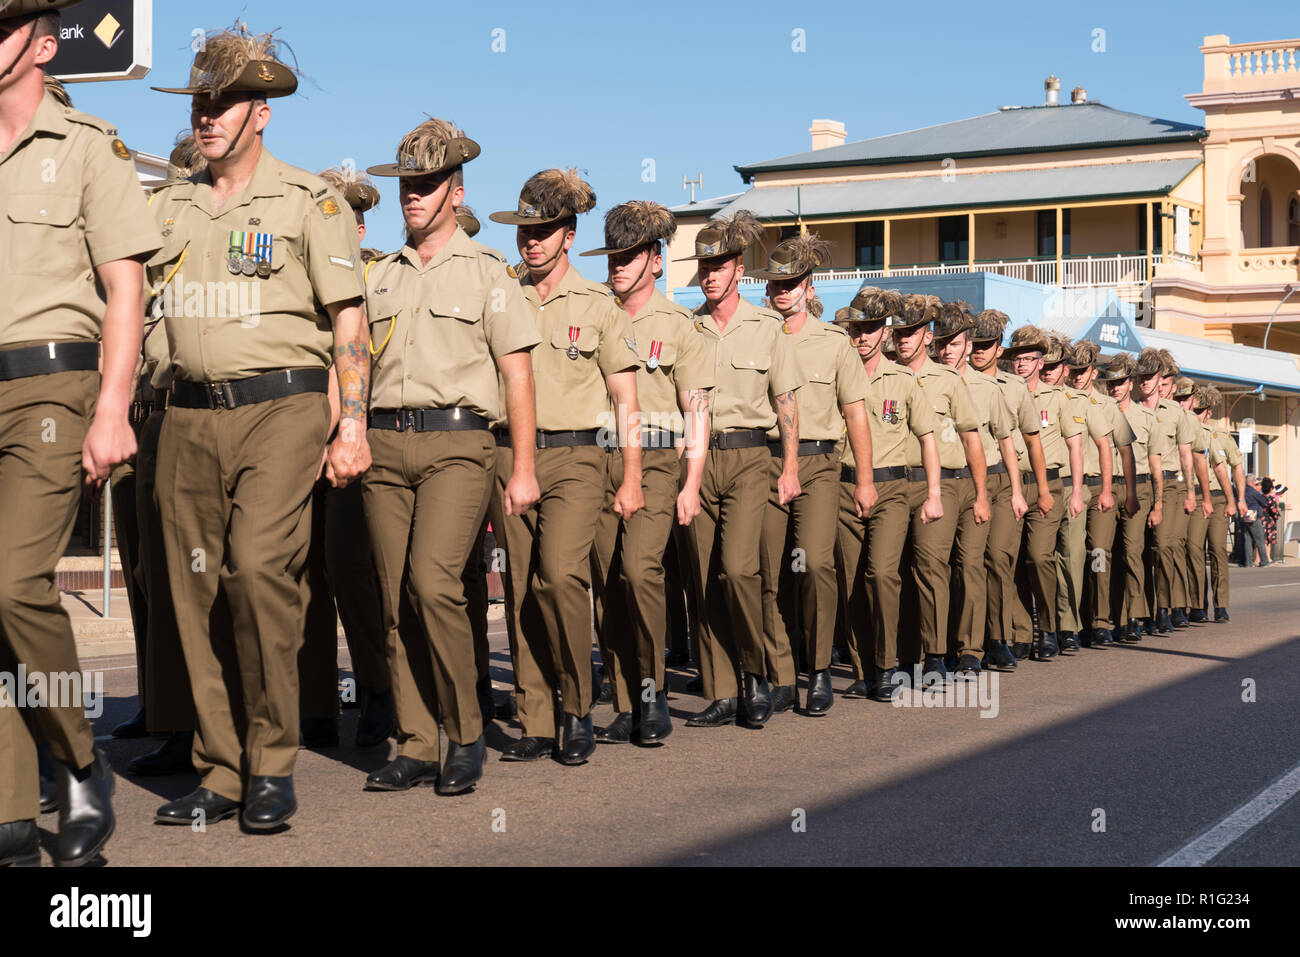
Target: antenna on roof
[(693, 184)]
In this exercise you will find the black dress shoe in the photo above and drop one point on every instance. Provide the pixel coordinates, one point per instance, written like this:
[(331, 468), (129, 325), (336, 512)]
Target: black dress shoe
[(695, 685), (1046, 648), (1102, 637), (462, 768), (820, 694), (604, 694), (1020, 650), (756, 700), (173, 756), (859, 689), (199, 805), (1162, 623), (1131, 634), (1179, 619), (1000, 657), (837, 656), (720, 712), (318, 733), (19, 845), (935, 671), (1068, 641), (784, 697), (132, 727), (968, 668), (885, 687), (377, 722), (402, 774), (1221, 614), (86, 819), (618, 731), (579, 741), (1198, 616), (49, 787), (486, 700), (656, 722), (507, 710), (529, 749), (269, 803)]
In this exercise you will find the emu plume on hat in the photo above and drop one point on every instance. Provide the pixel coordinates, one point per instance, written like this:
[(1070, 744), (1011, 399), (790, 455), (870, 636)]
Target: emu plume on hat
[(1171, 366), (989, 325), (432, 147), (468, 221), (1028, 339), (727, 237), (1149, 363), (917, 309), (795, 257), (636, 223), (21, 8), (357, 189), (1184, 387), (1207, 397), (185, 159), (548, 197), (238, 61), (1121, 366), (1083, 354), (56, 89), (954, 319), (872, 304)]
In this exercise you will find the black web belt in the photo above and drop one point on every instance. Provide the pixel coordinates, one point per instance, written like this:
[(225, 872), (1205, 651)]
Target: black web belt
[(738, 439), (809, 447), (258, 388), (52, 357), (427, 420)]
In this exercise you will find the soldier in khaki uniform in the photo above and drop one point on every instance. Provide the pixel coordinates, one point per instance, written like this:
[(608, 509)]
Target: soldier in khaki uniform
[(1130, 597), (1179, 499), (1198, 478), (1100, 525), (73, 243), (585, 372), (870, 543), (1226, 462), (249, 420), (962, 480), (969, 608), (674, 378), (797, 562), (1072, 537), (1062, 448), (1186, 394), (340, 580), (756, 374), (1006, 522), (446, 317)]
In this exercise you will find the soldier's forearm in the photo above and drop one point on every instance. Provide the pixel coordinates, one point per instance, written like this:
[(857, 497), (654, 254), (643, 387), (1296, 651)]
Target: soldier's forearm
[(1008, 450), (696, 421), (521, 409), (123, 331), (352, 361), (859, 429), (1106, 463), (1037, 461), (930, 460), (979, 467), (1130, 468), (787, 421)]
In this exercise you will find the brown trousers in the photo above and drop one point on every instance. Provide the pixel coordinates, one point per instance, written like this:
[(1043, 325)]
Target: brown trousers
[(968, 609), (234, 490), (627, 584), (1198, 527), (1071, 542), (1130, 597), (1036, 578), (318, 653), (1217, 536), (1170, 545), (797, 568), (1000, 557), (869, 560), (168, 700), (725, 567), (1095, 607), (548, 553), (126, 536), (43, 422), (926, 596), (425, 497)]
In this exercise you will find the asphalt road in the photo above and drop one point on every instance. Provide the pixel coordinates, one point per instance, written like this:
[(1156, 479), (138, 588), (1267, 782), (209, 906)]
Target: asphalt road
[(1115, 756)]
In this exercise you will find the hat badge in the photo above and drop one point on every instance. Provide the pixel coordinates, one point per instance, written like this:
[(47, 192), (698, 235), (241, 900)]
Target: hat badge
[(264, 73), (530, 211)]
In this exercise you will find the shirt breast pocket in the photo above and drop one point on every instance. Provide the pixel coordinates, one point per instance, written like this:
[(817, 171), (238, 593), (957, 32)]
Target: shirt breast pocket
[(757, 362), (587, 343), (45, 237), (665, 360)]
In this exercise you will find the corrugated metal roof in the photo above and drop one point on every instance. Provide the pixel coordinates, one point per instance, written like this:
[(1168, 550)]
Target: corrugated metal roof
[(703, 207), (1032, 129), (918, 193), (1227, 362)]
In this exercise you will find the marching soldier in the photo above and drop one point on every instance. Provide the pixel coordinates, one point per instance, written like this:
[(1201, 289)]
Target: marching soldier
[(340, 580), (586, 364), (1098, 462), (1179, 389), (1187, 394), (1224, 451), (962, 476), (757, 374), (953, 346), (446, 317), (1130, 596), (1006, 521), (249, 421), (1100, 524), (870, 543), (1062, 447), (831, 405), (74, 243), (673, 381)]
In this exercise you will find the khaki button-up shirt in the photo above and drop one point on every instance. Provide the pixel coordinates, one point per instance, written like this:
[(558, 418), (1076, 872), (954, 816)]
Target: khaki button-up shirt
[(437, 329), (1087, 410), (156, 369), (753, 363), (72, 202), (1024, 413), (954, 413), (1121, 434), (1056, 424), (1221, 449), (683, 361), (898, 412), (224, 327), (991, 409), (1148, 440), (571, 393), (835, 378)]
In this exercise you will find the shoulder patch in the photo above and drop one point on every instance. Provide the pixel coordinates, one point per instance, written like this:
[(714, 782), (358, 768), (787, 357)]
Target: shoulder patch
[(120, 150), (510, 271), (489, 252), (328, 207)]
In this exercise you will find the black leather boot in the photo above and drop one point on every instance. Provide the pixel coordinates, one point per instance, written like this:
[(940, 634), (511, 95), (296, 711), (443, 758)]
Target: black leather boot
[(19, 845), (173, 756), (462, 768), (1162, 623), (885, 686), (579, 740), (1000, 656), (756, 703), (378, 719), (270, 802), (132, 727), (486, 700), (784, 697), (529, 748), (618, 731), (1221, 614), (86, 819), (199, 805), (1047, 648), (656, 722), (402, 774), (1069, 641), (720, 712), (820, 694)]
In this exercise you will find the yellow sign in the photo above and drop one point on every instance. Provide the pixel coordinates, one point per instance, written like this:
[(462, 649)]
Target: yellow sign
[(109, 30)]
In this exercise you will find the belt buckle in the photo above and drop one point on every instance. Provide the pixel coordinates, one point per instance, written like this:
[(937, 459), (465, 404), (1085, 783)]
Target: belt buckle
[(406, 420), (220, 396)]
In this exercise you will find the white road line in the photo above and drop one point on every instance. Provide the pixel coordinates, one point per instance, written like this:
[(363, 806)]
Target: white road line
[(1283, 585), (1232, 828)]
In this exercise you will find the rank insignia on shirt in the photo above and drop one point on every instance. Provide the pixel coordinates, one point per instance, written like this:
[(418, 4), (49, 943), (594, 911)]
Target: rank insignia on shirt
[(328, 207), (1079, 419), (169, 221), (631, 343), (346, 263), (254, 221), (120, 150)]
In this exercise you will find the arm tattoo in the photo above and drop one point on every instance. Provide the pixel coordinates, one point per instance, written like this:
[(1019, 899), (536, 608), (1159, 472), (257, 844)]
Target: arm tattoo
[(353, 362), (786, 408), (697, 400)]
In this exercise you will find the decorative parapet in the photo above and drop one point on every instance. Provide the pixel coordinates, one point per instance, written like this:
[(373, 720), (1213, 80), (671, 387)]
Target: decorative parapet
[(1245, 67)]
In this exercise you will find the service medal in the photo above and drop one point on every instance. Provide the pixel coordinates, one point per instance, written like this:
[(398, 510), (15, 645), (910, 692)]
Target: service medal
[(233, 265), (572, 351), (655, 348), (264, 269), (248, 267)]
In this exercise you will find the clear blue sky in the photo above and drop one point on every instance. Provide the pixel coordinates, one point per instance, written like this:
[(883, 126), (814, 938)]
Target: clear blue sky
[(695, 87)]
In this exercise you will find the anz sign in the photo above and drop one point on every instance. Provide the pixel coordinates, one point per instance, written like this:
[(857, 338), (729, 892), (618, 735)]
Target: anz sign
[(1112, 334)]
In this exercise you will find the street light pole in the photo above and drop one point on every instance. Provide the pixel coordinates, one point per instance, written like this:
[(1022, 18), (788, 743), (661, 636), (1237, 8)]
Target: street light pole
[(1269, 328)]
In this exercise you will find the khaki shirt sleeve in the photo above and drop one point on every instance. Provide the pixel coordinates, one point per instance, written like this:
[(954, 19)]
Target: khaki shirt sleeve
[(508, 320), (785, 375), (1096, 419), (1199, 443), (964, 416), (851, 380), (118, 222), (1122, 434), (1071, 424), (1161, 444), (333, 254), (694, 368), (1000, 424), (1186, 432), (1231, 452), (920, 414), (1216, 453), (614, 354), (1030, 423)]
